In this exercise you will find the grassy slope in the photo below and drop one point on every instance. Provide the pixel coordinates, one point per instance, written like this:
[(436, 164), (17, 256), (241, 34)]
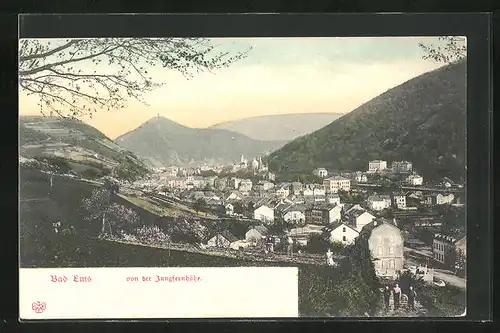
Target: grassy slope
[(90, 139), (422, 120)]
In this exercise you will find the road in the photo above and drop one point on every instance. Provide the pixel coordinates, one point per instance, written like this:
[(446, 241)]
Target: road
[(449, 278)]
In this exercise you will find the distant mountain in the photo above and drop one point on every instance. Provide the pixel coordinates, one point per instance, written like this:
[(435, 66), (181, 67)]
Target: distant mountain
[(161, 141), (422, 120), (284, 127), (73, 145)]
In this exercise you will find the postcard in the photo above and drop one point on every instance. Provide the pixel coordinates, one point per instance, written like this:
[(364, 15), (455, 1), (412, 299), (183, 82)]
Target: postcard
[(242, 177)]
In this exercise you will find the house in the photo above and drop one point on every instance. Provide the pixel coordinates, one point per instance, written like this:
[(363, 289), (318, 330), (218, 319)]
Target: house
[(223, 239), (415, 180), (229, 209), (297, 188), (336, 183), (445, 249), (333, 198), (221, 184), (270, 176), (444, 199), (341, 232), (263, 185), (323, 214), (361, 178), (401, 167), (308, 190), (234, 196), (399, 200), (264, 213), (196, 195), (294, 214), (318, 190), (385, 242), (283, 190), (320, 172), (245, 185), (256, 233), (234, 183), (377, 166), (379, 202), (358, 217)]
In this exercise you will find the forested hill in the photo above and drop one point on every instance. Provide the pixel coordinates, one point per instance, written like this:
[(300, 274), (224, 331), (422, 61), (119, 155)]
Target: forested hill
[(422, 120)]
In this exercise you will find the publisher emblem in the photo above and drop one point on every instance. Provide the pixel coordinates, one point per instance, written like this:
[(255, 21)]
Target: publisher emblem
[(38, 306)]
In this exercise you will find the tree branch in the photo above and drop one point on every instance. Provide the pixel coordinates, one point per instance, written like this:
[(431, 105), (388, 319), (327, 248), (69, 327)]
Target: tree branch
[(48, 53)]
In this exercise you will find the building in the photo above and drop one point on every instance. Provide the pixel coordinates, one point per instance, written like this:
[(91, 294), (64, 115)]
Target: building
[(401, 167), (399, 200), (361, 178), (297, 188), (323, 214), (333, 198), (358, 217), (444, 199), (283, 191), (336, 183), (379, 202), (415, 180), (446, 247), (294, 214), (377, 166), (318, 190), (320, 172), (263, 185), (270, 176), (229, 209), (223, 239), (385, 243), (256, 233), (264, 213), (342, 233), (245, 185)]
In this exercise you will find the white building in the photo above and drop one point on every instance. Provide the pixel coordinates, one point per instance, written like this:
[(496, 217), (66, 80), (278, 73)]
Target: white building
[(318, 190), (222, 240), (444, 199), (245, 185), (256, 233), (294, 214), (379, 202), (361, 178), (333, 198), (399, 201), (401, 167), (283, 191), (229, 209), (336, 183), (415, 180), (320, 172), (264, 214), (358, 217), (376, 166), (342, 233)]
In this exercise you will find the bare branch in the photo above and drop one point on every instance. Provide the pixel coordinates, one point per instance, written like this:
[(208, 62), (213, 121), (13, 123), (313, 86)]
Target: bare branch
[(84, 75)]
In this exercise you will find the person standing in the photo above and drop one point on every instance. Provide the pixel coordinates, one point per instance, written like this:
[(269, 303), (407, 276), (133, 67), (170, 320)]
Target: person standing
[(387, 297), (329, 258), (411, 298), (397, 296), (289, 246)]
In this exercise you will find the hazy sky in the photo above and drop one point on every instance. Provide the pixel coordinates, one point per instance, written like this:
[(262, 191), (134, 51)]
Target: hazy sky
[(279, 76)]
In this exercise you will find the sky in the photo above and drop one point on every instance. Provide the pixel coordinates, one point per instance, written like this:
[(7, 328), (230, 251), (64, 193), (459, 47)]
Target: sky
[(278, 76)]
